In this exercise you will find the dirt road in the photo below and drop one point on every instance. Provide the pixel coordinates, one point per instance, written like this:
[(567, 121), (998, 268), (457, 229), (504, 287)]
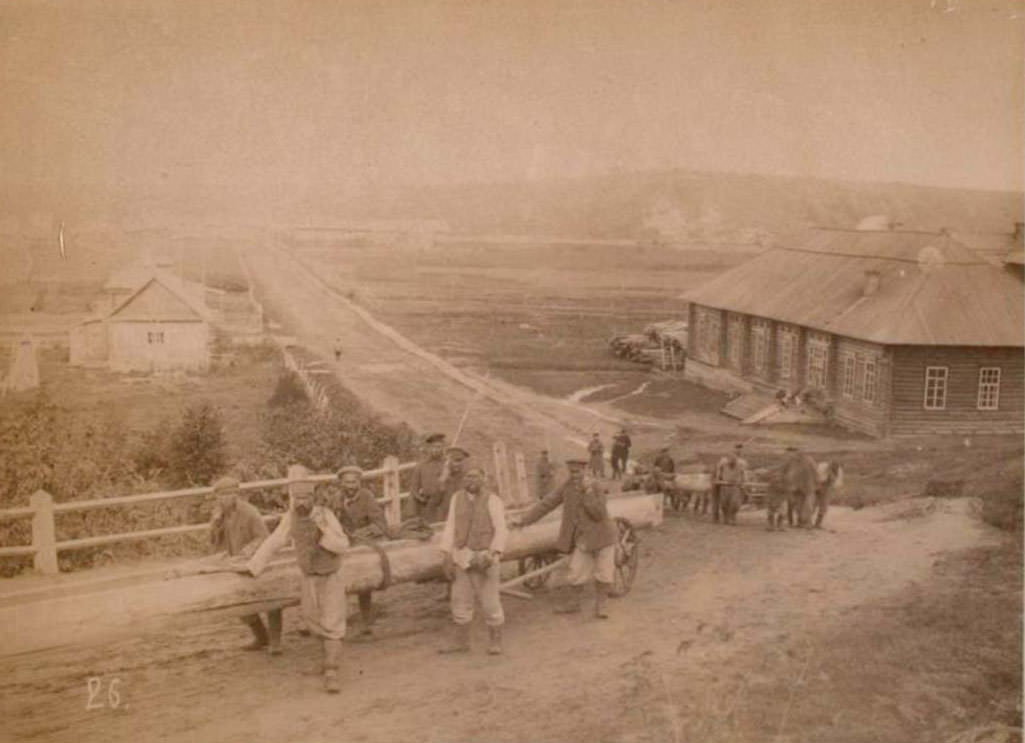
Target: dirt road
[(717, 614), (405, 383)]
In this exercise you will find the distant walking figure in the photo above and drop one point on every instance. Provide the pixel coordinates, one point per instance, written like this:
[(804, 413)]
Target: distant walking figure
[(338, 349), (597, 451), (620, 453)]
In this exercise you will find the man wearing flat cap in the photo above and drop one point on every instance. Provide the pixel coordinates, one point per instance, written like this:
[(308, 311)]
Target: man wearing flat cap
[(362, 518), (319, 542), (236, 528), (587, 532), (428, 484), (472, 543)]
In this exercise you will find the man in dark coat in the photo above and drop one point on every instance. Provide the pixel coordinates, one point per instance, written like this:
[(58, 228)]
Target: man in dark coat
[(545, 475), (362, 518), (664, 462), (236, 528), (587, 532), (428, 487), (620, 453)]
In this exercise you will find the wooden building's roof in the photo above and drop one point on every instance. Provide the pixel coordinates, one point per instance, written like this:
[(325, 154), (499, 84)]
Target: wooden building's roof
[(158, 300), (931, 289)]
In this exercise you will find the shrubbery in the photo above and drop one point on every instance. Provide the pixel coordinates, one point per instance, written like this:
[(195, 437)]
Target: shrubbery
[(45, 447)]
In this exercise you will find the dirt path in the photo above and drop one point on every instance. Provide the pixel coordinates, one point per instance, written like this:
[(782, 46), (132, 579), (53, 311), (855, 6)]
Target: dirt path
[(403, 385), (690, 636)]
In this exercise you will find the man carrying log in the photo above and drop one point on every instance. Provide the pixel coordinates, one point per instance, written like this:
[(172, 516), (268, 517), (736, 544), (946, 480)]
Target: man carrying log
[(472, 543), (362, 518), (319, 543), (236, 528), (428, 486), (587, 532)]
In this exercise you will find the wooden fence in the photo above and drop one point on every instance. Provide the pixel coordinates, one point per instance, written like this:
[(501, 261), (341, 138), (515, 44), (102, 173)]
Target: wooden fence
[(42, 509)]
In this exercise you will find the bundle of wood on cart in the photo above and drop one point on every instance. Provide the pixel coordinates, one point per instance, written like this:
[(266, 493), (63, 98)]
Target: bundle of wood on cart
[(71, 612)]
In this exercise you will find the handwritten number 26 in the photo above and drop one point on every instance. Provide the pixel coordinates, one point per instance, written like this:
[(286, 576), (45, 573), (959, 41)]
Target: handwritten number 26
[(94, 686)]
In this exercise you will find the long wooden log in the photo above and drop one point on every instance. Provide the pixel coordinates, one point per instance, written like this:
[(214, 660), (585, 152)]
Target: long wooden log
[(161, 603)]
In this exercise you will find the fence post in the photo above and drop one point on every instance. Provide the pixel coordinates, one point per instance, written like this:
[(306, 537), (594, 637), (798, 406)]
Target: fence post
[(390, 486), (523, 489), (44, 534)]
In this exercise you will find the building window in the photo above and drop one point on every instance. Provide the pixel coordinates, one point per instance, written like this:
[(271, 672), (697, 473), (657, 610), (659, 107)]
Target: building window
[(818, 362), (989, 388), (787, 352), (736, 349), (760, 348), (155, 337), (848, 377), (936, 387), (870, 382)]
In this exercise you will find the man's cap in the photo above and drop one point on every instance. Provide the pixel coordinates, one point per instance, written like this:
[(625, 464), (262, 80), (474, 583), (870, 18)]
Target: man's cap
[(576, 462), (298, 478), (226, 485), (478, 469), (791, 447), (664, 447), (738, 447), (433, 438), (350, 469), (457, 451)]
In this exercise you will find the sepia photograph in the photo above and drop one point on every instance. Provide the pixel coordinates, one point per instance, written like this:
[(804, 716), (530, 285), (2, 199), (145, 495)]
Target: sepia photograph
[(512, 371)]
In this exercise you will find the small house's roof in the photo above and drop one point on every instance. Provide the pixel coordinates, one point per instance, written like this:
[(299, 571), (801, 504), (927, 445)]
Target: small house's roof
[(158, 300), (931, 289)]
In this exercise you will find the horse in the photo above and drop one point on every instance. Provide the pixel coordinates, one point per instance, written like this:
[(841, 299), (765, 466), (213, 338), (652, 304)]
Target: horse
[(795, 486)]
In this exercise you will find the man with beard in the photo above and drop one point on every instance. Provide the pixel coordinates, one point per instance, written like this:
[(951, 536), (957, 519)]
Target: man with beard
[(428, 485), (472, 543), (319, 542)]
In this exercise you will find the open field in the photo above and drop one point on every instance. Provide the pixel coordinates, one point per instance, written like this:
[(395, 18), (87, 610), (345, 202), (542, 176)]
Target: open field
[(511, 308)]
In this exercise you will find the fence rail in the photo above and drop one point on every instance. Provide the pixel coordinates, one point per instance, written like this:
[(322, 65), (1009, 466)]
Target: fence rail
[(45, 548)]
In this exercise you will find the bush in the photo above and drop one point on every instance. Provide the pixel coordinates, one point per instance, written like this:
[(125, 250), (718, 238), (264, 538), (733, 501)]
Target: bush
[(1002, 507), (288, 391), (197, 451)]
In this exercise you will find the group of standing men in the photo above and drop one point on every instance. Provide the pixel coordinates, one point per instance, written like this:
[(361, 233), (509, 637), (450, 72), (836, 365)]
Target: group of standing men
[(472, 542), (618, 457)]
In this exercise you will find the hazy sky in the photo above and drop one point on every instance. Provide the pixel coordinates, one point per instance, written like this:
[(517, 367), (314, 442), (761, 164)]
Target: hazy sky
[(182, 94)]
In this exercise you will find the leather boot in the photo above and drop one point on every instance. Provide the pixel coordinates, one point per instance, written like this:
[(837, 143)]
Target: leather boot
[(460, 640), (259, 632), (274, 631), (572, 605), (332, 653), (366, 612), (601, 596), (495, 640)]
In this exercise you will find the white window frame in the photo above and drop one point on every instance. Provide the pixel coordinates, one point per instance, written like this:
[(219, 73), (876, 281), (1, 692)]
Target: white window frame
[(870, 393), (818, 363), (760, 348), (787, 351), (848, 381), (939, 402), (988, 388)]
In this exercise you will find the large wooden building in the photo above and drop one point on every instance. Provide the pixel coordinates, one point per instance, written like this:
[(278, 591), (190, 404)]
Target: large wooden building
[(898, 332), (157, 327)]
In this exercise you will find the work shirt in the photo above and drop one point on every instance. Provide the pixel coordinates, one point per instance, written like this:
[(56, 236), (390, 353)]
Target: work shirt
[(331, 537), (428, 490), (467, 524), (360, 511), (665, 463), (585, 519), (239, 530), (621, 443)]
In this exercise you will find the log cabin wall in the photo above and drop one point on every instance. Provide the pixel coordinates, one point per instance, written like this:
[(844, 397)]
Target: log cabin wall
[(970, 390)]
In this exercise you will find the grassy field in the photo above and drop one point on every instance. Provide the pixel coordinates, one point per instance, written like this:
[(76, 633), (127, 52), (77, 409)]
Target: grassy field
[(521, 308)]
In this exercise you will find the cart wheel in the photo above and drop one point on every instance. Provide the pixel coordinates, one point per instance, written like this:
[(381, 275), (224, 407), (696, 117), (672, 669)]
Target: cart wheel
[(533, 562), (627, 555)]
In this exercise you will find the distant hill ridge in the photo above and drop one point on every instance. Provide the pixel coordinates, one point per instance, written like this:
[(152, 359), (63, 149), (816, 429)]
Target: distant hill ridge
[(688, 205)]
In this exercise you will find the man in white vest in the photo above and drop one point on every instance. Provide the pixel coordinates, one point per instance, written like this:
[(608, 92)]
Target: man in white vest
[(472, 542)]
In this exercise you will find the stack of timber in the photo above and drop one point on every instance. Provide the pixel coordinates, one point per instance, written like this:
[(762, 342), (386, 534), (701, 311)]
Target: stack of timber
[(190, 595)]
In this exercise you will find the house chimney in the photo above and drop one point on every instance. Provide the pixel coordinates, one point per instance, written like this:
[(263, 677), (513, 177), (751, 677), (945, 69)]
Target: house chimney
[(871, 283)]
